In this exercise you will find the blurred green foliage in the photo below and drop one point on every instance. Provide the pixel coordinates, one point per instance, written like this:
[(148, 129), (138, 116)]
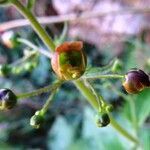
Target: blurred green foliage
[(70, 120)]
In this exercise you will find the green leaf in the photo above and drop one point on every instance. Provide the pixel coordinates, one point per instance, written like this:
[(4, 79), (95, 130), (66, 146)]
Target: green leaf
[(142, 107), (145, 134)]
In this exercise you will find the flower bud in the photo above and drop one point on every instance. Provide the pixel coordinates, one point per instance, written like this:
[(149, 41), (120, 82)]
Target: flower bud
[(37, 120), (135, 81), (69, 60), (102, 120), (7, 99), (9, 39)]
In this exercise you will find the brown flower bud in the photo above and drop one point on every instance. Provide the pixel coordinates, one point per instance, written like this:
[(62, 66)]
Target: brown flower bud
[(135, 81), (69, 60)]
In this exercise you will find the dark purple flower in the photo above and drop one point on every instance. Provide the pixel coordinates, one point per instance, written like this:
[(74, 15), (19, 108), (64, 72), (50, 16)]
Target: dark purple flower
[(136, 80), (7, 99)]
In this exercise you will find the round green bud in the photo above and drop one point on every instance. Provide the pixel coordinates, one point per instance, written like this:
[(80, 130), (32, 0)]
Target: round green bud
[(5, 70), (37, 120), (102, 120), (7, 99)]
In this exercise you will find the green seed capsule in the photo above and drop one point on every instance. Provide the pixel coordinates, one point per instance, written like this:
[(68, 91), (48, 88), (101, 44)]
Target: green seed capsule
[(5, 70), (37, 120), (102, 120), (7, 99)]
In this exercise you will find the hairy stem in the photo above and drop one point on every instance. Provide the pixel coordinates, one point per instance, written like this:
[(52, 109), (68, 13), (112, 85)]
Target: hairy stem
[(80, 84), (122, 130), (87, 93), (105, 76), (31, 45), (40, 91), (48, 102)]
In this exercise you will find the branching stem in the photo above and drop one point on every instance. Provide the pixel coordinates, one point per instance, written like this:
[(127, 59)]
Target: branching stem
[(40, 91), (88, 94)]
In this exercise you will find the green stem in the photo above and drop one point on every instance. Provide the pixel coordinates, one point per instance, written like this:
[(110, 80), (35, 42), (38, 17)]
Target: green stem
[(132, 109), (48, 102), (35, 24), (98, 98), (87, 93), (40, 91), (23, 59), (122, 130), (80, 85), (33, 46), (28, 43), (105, 76)]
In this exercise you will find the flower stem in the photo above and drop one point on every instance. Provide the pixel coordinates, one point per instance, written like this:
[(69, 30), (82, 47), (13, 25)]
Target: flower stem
[(122, 130), (40, 91), (80, 84), (105, 76), (35, 24), (48, 102), (23, 59), (33, 46), (87, 93)]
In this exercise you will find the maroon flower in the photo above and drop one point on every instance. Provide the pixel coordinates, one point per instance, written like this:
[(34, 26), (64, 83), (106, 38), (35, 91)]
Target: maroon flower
[(7, 99), (136, 80)]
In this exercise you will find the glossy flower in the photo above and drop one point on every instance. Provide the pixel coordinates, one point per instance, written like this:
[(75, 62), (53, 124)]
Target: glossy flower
[(135, 81), (7, 99), (69, 60)]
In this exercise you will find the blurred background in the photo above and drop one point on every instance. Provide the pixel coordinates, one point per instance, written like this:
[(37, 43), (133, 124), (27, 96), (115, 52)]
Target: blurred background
[(70, 120)]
